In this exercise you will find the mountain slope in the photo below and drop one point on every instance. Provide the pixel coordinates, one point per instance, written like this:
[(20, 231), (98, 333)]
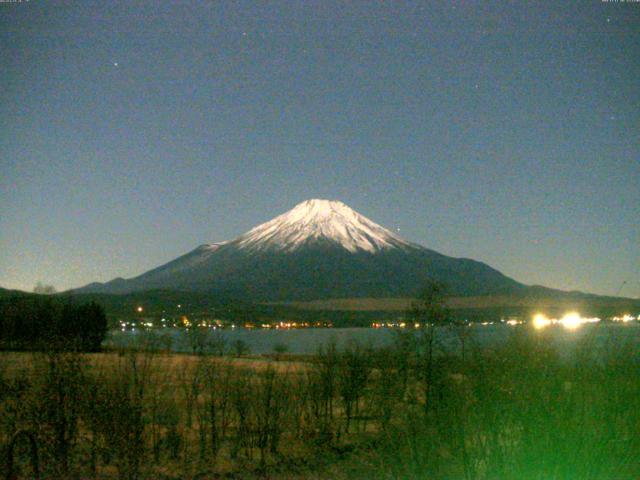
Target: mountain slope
[(320, 249)]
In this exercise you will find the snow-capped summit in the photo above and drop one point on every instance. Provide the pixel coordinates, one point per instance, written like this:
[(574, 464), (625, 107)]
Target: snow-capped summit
[(319, 249), (319, 220)]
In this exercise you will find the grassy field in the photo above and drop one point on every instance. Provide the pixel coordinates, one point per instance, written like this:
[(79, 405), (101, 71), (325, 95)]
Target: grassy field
[(518, 411)]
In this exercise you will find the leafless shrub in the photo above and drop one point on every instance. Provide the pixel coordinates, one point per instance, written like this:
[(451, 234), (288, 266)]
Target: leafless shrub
[(55, 406), (354, 368), (123, 413)]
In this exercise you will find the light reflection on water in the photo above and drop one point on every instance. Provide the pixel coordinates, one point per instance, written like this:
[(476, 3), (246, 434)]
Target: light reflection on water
[(309, 340)]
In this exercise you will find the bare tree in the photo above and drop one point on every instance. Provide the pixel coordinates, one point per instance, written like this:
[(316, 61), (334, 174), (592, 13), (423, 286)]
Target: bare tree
[(57, 407), (241, 394), (430, 312), (354, 369), (214, 410)]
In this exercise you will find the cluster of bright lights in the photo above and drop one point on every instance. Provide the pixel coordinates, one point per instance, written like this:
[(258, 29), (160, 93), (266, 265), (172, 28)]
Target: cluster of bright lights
[(570, 321), (625, 318), (540, 321), (395, 325), (133, 325)]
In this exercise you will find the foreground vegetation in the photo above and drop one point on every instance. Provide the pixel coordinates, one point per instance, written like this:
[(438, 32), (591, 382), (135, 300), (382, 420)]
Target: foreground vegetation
[(519, 411)]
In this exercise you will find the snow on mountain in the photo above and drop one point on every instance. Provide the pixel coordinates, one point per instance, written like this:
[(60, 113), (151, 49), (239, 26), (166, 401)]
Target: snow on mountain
[(210, 247), (320, 249), (320, 220)]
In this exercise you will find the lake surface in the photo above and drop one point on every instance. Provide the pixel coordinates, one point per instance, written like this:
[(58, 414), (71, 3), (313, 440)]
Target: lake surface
[(309, 340)]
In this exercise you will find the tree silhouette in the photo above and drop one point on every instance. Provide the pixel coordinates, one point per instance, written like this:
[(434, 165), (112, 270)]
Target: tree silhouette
[(44, 289), (430, 312)]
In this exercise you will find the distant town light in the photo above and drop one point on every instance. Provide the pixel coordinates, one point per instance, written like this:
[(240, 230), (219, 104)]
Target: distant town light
[(571, 321), (625, 318), (540, 321)]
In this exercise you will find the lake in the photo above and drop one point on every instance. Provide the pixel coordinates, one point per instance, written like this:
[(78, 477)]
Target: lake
[(309, 340)]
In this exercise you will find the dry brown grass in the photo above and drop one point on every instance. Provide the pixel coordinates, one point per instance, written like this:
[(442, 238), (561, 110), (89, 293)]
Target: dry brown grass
[(515, 411), (13, 363)]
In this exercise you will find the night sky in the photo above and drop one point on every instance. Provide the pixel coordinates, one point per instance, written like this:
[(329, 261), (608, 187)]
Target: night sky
[(507, 132)]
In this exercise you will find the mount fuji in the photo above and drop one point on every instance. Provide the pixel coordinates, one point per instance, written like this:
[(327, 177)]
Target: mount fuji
[(320, 249)]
